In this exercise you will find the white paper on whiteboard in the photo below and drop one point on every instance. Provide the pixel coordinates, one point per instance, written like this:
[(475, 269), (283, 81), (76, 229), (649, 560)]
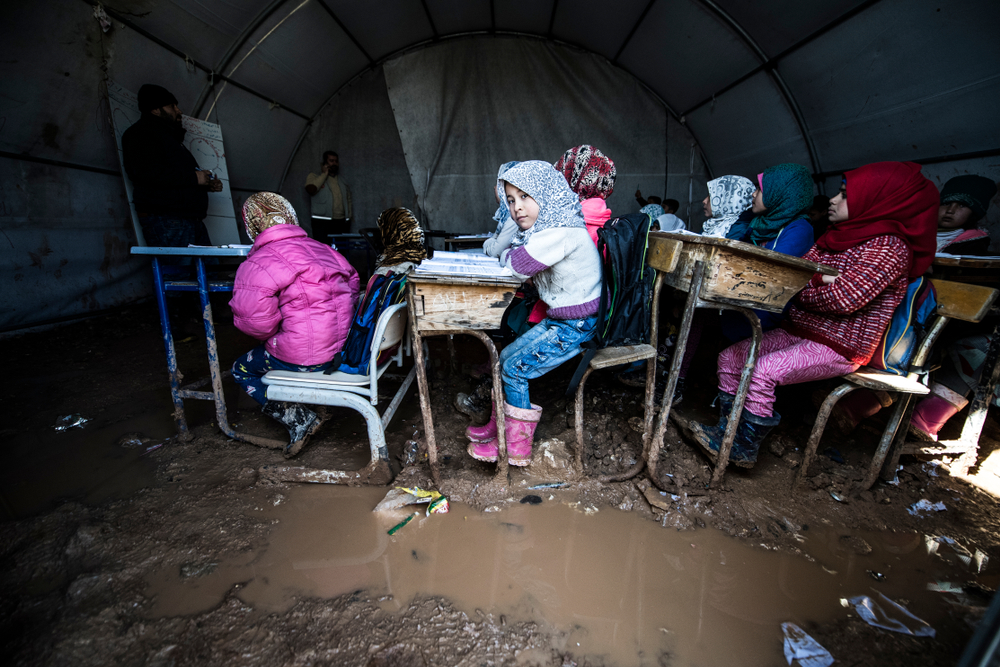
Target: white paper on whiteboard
[(204, 140)]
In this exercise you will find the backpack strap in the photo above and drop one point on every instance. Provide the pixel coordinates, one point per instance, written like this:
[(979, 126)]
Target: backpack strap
[(588, 354)]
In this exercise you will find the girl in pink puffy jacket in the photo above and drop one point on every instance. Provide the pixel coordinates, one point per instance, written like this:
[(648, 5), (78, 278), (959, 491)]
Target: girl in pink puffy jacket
[(297, 296)]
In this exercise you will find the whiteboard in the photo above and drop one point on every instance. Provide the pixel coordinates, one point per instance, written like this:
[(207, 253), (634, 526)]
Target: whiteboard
[(204, 140)]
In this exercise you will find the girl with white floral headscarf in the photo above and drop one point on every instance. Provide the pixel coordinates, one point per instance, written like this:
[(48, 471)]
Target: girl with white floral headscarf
[(551, 247), (728, 196)]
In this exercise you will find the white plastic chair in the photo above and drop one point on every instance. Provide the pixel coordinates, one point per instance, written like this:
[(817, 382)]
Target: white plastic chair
[(358, 392)]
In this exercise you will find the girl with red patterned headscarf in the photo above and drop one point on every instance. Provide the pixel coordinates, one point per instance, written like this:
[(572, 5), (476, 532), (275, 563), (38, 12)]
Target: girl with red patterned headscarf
[(591, 175)]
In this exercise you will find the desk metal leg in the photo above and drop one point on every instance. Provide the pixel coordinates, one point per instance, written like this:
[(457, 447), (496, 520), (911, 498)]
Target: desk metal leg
[(722, 458), (168, 342), (980, 405), (213, 352), (423, 391), (653, 454), (498, 402), (419, 360)]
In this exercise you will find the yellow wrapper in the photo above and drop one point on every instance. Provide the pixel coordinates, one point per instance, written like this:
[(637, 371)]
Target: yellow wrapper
[(423, 496)]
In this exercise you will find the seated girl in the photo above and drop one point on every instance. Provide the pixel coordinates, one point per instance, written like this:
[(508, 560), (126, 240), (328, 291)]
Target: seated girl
[(297, 296), (591, 175), (552, 246), (964, 201), (778, 222), (881, 236), (402, 241), (728, 197)]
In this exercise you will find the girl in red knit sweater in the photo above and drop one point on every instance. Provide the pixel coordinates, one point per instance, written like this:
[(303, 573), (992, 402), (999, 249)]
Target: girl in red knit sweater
[(881, 236)]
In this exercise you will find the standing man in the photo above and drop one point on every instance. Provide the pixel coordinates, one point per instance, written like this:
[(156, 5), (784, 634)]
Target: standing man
[(331, 200), (169, 190)]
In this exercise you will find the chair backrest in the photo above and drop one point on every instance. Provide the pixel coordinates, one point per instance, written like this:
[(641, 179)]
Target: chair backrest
[(962, 301), (391, 328)]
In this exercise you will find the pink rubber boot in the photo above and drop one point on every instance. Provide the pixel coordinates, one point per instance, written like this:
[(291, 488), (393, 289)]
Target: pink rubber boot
[(930, 416), (520, 428), (486, 432)]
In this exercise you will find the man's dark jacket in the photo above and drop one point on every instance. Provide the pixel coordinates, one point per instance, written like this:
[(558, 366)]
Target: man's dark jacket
[(162, 170)]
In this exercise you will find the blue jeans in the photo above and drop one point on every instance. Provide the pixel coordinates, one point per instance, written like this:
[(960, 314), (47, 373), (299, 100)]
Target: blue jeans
[(540, 349), (251, 367)]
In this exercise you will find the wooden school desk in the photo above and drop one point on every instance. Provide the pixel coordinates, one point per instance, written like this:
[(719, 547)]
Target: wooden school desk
[(441, 305), (202, 285), (986, 272), (730, 275)]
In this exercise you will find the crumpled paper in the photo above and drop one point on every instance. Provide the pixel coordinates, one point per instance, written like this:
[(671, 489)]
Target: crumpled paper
[(800, 646), (924, 505)]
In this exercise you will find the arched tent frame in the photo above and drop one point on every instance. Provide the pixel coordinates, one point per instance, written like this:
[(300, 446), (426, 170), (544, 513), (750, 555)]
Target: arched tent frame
[(829, 85)]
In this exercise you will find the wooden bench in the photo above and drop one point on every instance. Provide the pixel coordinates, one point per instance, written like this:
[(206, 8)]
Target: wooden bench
[(960, 301)]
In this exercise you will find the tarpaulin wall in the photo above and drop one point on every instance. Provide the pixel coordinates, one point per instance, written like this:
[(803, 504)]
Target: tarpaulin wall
[(463, 107), (359, 126), (830, 85)]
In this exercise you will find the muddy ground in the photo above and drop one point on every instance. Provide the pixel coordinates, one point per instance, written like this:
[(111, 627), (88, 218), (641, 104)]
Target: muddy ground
[(87, 524)]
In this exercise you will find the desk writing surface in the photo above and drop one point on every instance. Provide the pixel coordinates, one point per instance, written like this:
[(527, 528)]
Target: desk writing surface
[(198, 251), (975, 270), (967, 262), (450, 303), (739, 273)]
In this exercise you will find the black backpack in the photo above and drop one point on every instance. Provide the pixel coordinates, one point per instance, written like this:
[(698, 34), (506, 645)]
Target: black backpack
[(627, 285)]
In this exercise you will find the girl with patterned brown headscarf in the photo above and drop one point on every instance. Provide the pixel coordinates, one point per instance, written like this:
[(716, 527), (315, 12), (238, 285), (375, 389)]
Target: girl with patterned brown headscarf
[(266, 209), (296, 296), (402, 241)]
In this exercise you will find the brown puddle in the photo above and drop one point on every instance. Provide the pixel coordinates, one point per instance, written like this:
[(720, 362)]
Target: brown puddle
[(607, 583)]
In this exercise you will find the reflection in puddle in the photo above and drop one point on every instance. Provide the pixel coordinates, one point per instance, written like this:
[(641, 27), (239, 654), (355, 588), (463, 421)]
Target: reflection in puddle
[(609, 584)]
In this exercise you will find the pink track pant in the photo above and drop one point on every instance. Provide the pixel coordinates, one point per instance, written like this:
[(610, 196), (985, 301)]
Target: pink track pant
[(783, 359)]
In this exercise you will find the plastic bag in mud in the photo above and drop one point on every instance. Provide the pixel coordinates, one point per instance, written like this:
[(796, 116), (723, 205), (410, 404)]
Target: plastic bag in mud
[(70, 421), (890, 616)]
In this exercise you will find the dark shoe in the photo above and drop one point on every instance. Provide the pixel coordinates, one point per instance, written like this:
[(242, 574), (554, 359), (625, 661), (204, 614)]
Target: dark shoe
[(661, 386), (635, 378), (725, 402), (300, 421), (478, 405), (750, 432)]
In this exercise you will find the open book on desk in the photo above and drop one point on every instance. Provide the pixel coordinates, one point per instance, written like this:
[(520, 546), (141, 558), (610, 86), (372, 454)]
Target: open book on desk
[(463, 264)]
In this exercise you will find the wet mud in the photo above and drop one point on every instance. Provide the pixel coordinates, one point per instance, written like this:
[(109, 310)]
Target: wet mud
[(124, 545)]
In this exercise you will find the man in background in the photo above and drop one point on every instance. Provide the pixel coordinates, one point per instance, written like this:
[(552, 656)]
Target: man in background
[(331, 200), (169, 189)]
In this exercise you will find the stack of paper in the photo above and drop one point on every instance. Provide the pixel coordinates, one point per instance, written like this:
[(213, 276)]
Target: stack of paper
[(463, 264), (947, 254)]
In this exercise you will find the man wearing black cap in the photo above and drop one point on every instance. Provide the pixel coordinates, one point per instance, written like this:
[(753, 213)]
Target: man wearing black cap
[(169, 190)]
